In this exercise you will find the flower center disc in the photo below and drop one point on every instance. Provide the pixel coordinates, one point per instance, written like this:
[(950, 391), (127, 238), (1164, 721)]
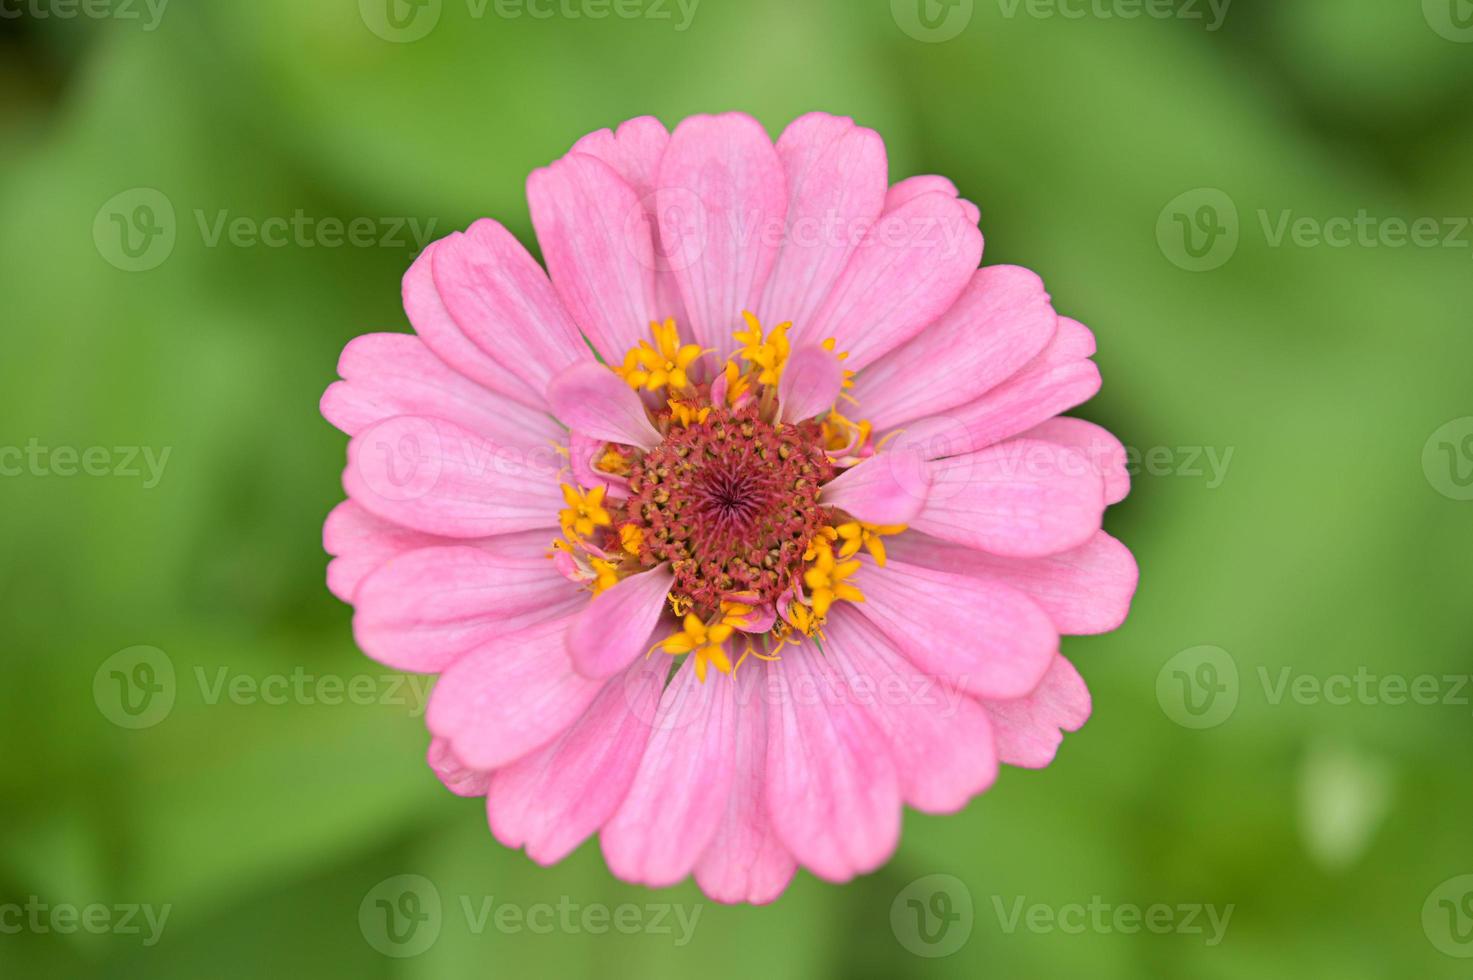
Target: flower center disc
[(731, 503)]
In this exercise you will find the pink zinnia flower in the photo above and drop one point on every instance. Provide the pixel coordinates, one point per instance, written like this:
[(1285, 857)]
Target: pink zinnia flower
[(745, 523)]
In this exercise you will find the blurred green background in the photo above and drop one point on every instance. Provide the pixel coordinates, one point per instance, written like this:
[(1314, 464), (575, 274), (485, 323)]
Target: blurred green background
[(1336, 541)]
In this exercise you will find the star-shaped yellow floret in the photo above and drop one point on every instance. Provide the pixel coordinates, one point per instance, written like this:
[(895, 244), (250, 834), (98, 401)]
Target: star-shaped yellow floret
[(662, 364), (858, 534), (826, 579), (707, 643), (769, 354), (585, 511)]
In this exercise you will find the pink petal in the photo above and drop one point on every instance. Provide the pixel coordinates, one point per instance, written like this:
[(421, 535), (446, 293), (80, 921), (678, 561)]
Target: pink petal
[(1028, 729), (435, 326), (746, 862), (836, 173), (1084, 590), (635, 151), (591, 399), (940, 738), (389, 374), (985, 638), (1059, 378), (422, 611), (596, 241), (502, 300), (721, 201), (361, 543), (453, 773), (1022, 498), (904, 191), (832, 791), (884, 489), (614, 629), (679, 795), (551, 800), (1002, 320), (810, 383), (912, 265), (583, 451), (510, 696), (1097, 445), (435, 476)]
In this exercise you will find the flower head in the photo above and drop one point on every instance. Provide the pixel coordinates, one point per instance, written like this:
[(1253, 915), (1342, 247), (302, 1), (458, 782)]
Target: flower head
[(810, 525)]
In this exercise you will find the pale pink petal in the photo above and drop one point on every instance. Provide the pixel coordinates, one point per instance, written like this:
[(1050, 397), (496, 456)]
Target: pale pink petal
[(635, 151), (832, 791), (551, 800), (721, 201), (988, 639), (884, 489), (1002, 320), (509, 696), (811, 381), (614, 629), (1023, 498), (361, 543), (1097, 445), (502, 300), (591, 399), (912, 265), (939, 736), (1084, 590), (596, 241), (389, 374), (746, 862), (438, 329), (679, 795), (1059, 378), (453, 773), (836, 174), (1029, 729), (423, 610), (437, 477), (913, 187)]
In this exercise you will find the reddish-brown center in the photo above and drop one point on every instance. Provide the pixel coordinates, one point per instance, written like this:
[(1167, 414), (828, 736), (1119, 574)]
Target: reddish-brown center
[(731, 503)]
